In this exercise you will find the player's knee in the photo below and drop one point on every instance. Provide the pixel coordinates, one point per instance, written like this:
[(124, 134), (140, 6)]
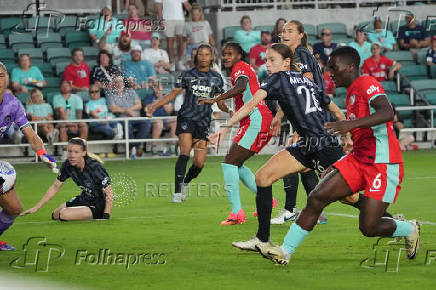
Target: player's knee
[(14, 210), (198, 163), (367, 230), (263, 179)]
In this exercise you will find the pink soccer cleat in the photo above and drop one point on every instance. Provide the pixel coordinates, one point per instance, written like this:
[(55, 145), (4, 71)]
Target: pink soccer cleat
[(234, 219)]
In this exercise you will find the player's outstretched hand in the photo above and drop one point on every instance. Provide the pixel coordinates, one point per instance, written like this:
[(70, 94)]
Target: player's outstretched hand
[(49, 160), (338, 128), (347, 144), (218, 137), (203, 101), (30, 210)]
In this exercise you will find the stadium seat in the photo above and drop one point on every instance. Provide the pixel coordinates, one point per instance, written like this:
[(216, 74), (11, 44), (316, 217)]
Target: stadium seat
[(46, 69), (269, 28), (55, 55), (77, 39), (45, 40), (6, 54), (422, 87), (422, 56), (431, 98), (399, 99), (90, 52), (60, 67), (410, 73), (310, 29), (17, 41), (41, 24), (53, 82), (339, 101), (3, 43), (433, 71), (228, 33), (34, 53), (49, 94), (389, 87), (69, 23), (338, 29), (10, 66), (8, 24), (404, 57), (92, 63), (22, 97)]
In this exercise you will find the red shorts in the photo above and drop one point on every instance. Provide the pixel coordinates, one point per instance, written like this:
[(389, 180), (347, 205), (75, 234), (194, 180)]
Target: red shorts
[(380, 181), (255, 134)]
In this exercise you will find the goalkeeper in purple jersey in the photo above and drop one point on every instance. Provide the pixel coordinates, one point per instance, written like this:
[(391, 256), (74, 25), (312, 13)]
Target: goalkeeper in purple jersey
[(11, 111)]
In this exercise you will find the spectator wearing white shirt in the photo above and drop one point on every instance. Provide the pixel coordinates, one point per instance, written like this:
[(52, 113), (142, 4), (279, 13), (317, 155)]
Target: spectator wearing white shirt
[(171, 12), (157, 56), (197, 30)]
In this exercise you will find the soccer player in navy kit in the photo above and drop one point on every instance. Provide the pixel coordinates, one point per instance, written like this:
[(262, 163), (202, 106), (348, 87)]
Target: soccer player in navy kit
[(306, 106), (87, 172), (193, 120)]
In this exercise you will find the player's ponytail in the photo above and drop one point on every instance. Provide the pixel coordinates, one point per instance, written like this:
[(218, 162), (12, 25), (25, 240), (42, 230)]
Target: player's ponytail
[(84, 144)]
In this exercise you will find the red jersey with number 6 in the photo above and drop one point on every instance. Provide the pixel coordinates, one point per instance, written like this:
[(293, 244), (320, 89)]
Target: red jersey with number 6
[(377, 144), (242, 69)]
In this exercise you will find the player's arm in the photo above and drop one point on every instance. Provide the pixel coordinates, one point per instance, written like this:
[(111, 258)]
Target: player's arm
[(277, 122), (52, 190), (223, 107), (109, 198), (247, 108), (336, 112), (239, 88), (393, 69), (38, 147), (383, 114), (149, 109)]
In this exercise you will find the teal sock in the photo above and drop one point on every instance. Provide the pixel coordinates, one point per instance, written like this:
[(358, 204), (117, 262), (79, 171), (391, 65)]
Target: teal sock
[(231, 179), (247, 178), (403, 229), (294, 237)]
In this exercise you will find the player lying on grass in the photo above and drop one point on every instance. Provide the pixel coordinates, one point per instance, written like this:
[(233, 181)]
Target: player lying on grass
[(253, 133), (307, 107), (193, 120), (375, 165), (11, 111), (87, 171)]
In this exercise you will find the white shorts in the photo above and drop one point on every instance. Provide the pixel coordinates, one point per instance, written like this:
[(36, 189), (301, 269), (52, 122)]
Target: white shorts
[(174, 27)]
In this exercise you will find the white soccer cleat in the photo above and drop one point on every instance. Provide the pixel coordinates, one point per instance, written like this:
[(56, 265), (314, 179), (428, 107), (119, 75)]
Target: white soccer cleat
[(413, 240), (275, 253), (249, 245), (177, 197), (185, 191), (284, 216)]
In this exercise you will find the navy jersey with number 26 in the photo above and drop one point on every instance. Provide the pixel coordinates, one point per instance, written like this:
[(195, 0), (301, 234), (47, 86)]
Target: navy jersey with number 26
[(301, 100)]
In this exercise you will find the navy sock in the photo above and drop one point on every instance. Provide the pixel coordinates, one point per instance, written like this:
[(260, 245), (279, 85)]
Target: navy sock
[(180, 171), (264, 208), (290, 185), (193, 172)]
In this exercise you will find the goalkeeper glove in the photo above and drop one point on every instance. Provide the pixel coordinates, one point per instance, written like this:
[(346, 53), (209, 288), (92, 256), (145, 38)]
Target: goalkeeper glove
[(47, 159)]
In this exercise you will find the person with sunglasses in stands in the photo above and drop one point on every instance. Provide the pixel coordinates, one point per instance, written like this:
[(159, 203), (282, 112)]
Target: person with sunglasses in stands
[(322, 50)]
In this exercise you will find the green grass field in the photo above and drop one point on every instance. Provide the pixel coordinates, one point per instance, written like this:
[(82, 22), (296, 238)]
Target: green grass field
[(197, 251)]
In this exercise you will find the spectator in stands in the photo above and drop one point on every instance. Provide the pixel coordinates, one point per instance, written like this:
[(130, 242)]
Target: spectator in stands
[(431, 52), (107, 26), (77, 72), (406, 140), (139, 72), (257, 52), (197, 30), (139, 29), (69, 106), (104, 72), (377, 65), (38, 110), (97, 108), (157, 56), (246, 36), (329, 84), (362, 46), (325, 48), (26, 76), (120, 51), (277, 31), (174, 21), (412, 35), (126, 103), (164, 111), (383, 37)]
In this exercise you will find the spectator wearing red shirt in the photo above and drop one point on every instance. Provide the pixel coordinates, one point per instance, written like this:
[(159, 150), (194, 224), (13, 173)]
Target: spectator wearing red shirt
[(377, 65), (77, 72), (257, 52), (139, 29)]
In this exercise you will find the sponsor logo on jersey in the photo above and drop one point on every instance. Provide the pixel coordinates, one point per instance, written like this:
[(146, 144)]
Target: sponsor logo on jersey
[(373, 89), (352, 116)]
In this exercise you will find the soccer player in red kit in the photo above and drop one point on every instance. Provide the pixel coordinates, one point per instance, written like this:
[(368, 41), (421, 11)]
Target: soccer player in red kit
[(375, 165)]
